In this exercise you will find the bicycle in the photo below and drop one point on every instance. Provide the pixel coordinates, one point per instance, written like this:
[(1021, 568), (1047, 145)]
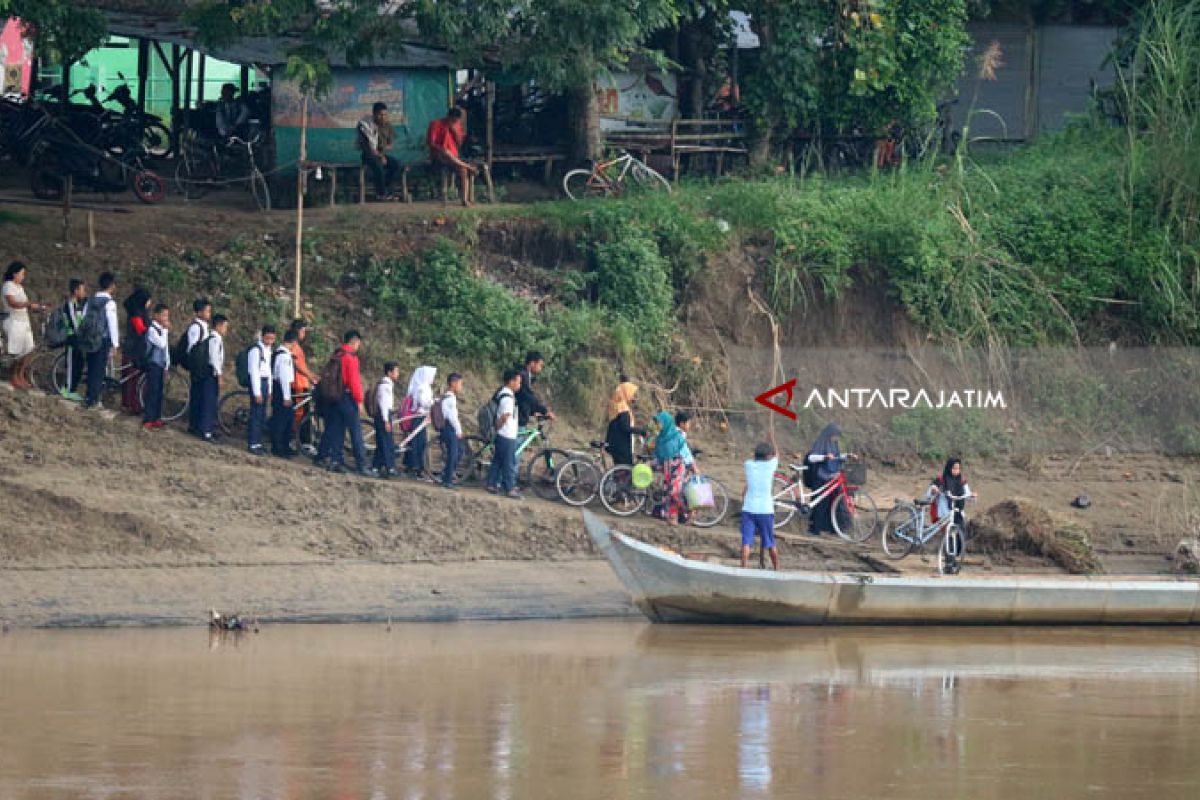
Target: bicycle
[(431, 468), (607, 178), (620, 496), (233, 419), (539, 474), (205, 164), (39, 376), (853, 512), (175, 392), (578, 479), (906, 529)]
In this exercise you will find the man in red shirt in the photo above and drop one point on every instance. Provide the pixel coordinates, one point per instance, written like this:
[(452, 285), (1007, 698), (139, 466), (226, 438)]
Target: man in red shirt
[(345, 414), (443, 138)]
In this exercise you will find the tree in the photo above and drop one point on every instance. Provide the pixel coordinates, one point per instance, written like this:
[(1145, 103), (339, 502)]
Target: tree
[(564, 45), (58, 27), (831, 68)]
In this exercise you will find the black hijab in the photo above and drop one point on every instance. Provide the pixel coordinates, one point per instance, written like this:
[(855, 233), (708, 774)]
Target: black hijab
[(951, 484), (135, 304), (825, 442)]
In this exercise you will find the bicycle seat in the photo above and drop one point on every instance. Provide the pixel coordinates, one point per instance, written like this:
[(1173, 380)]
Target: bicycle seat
[(922, 502), (598, 444)]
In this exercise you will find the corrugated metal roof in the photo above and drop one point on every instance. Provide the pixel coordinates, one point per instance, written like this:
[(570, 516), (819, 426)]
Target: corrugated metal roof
[(261, 50)]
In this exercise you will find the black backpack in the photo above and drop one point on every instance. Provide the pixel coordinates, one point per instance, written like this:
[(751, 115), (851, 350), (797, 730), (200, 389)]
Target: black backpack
[(197, 359), (179, 353), (93, 328)]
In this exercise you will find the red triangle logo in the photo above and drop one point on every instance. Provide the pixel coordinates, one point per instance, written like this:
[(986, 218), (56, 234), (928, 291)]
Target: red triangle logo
[(764, 399)]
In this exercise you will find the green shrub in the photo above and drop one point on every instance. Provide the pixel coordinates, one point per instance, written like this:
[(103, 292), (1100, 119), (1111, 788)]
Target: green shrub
[(936, 434), (633, 282)]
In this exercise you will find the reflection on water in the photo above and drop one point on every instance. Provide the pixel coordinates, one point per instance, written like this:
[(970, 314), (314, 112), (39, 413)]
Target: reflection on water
[(599, 710)]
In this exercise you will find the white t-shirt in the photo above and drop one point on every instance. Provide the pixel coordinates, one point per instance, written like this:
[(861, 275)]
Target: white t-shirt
[(508, 405), (760, 476)]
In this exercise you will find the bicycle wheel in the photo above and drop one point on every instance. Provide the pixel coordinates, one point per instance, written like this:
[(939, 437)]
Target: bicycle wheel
[(951, 551), (542, 470), (900, 530), (579, 184), (618, 494), (712, 515), (233, 413), (41, 370), (435, 460), (175, 395), (785, 504), (58, 373), (368, 436), (854, 515), (259, 190), (578, 482), (647, 179), (156, 139), (480, 457), (195, 176)]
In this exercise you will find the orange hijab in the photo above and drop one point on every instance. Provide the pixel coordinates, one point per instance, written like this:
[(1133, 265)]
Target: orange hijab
[(622, 400)]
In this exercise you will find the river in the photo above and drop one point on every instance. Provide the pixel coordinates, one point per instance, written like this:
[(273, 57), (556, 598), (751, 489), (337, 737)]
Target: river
[(580, 710)]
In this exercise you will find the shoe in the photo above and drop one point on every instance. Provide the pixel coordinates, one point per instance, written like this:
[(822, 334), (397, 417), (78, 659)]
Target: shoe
[(337, 469), (451, 486), (149, 426), (367, 472), (286, 454), (210, 438), (385, 474), (320, 462), (491, 489), (258, 450), (515, 495)]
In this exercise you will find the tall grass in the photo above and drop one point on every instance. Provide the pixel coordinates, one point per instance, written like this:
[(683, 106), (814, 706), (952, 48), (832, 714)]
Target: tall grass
[(1162, 88)]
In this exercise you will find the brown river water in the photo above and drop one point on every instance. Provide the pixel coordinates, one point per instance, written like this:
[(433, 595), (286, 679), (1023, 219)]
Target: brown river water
[(579, 710)]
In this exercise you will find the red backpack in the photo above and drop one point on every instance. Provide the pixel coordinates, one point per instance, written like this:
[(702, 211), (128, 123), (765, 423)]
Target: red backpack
[(408, 410)]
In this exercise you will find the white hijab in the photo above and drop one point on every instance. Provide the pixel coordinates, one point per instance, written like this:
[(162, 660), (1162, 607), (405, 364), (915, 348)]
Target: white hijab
[(420, 385)]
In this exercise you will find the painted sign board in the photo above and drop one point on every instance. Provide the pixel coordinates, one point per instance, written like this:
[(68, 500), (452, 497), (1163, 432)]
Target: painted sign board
[(16, 58), (648, 95)]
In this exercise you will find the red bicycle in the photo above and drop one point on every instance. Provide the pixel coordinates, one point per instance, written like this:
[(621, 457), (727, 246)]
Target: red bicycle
[(853, 512)]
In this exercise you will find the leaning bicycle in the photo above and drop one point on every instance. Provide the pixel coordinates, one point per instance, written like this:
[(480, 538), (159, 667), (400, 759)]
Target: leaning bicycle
[(906, 529), (205, 164), (613, 177), (578, 478), (624, 492), (539, 473)]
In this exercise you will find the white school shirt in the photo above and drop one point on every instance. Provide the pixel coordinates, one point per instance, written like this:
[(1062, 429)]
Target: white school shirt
[(450, 412), (385, 398), (216, 353), (285, 371), (508, 405), (110, 311), (260, 368), (197, 330), (156, 339)]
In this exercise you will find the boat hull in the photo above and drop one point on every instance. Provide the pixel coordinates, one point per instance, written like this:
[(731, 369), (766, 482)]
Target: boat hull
[(671, 589)]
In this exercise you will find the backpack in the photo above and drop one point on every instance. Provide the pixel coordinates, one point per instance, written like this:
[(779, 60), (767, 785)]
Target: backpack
[(437, 416), (180, 353), (93, 328), (197, 359), (242, 366), (487, 415), (408, 412), (331, 388), (371, 400), (58, 328)]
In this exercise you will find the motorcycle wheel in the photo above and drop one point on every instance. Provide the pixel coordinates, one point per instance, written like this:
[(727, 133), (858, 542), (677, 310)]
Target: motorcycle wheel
[(157, 140), (148, 187), (46, 178)]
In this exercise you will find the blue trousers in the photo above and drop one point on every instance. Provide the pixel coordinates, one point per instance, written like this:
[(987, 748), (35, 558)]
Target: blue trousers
[(453, 447), (154, 394), (209, 391), (97, 366), (502, 474), (283, 420), (195, 404), (414, 457), (385, 446), (343, 417), (258, 415)]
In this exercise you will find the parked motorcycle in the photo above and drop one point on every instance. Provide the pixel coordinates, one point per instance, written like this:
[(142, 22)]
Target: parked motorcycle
[(60, 155)]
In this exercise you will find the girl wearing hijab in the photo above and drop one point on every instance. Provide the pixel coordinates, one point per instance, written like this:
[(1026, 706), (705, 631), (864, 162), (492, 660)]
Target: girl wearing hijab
[(18, 332), (675, 458), (137, 310), (824, 462), (419, 401), (621, 424), (950, 482)]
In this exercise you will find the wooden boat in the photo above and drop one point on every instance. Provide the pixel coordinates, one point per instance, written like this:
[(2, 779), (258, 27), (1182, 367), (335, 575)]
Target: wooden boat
[(670, 588)]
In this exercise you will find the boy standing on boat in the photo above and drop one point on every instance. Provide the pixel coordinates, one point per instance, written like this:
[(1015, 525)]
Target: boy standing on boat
[(758, 506)]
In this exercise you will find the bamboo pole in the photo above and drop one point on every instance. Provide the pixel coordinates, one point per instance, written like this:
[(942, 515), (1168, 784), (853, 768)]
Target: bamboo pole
[(300, 175)]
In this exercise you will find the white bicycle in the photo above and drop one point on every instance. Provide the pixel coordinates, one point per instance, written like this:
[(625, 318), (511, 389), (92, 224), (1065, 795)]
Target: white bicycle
[(610, 178)]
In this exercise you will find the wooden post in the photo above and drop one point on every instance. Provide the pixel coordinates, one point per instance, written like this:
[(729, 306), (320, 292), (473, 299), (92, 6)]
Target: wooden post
[(143, 72), (300, 198), (489, 91), (68, 187), (91, 223), (187, 86), (200, 86)]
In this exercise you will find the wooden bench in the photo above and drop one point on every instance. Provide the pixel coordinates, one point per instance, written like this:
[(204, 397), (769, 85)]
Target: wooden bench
[(677, 138), (331, 169), (534, 154)]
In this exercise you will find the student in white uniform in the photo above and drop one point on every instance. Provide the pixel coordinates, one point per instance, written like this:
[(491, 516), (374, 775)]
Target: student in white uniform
[(158, 361), (97, 361), (213, 376), (283, 418), (259, 364)]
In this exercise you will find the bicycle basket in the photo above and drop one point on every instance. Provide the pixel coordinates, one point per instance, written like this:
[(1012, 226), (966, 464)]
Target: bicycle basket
[(856, 473)]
